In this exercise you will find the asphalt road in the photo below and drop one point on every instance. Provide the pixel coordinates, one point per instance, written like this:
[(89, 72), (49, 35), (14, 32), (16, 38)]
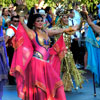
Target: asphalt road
[(86, 93)]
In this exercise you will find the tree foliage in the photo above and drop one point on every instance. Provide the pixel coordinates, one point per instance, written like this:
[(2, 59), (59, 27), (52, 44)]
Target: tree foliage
[(6, 3), (30, 3)]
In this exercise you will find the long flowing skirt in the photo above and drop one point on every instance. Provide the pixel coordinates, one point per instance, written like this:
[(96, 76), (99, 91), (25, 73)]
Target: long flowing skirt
[(70, 72), (42, 82)]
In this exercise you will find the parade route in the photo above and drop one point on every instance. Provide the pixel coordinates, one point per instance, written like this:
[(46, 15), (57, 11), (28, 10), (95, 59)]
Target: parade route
[(86, 93)]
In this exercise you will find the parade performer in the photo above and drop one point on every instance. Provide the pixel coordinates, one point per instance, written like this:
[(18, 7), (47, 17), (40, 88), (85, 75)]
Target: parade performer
[(35, 76), (93, 48), (4, 66), (69, 69)]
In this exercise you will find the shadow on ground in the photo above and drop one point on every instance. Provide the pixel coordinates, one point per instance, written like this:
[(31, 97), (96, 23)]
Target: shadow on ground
[(86, 93)]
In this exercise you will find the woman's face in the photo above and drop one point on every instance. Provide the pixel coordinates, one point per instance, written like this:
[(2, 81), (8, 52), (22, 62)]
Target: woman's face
[(39, 23), (6, 12), (64, 20)]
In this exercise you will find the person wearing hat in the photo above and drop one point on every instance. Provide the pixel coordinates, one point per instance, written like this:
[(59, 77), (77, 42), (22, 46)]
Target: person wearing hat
[(46, 23)]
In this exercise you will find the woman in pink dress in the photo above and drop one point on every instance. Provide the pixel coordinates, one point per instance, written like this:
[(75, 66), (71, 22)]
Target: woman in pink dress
[(32, 61)]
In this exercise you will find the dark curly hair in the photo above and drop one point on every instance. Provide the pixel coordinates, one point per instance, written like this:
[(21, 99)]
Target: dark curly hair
[(32, 18)]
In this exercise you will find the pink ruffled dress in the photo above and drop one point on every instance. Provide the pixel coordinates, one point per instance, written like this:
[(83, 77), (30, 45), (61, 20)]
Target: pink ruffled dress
[(37, 76)]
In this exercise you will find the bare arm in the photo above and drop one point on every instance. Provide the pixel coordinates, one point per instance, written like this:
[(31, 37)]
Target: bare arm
[(28, 30), (6, 39), (93, 26), (52, 32), (69, 30), (96, 28)]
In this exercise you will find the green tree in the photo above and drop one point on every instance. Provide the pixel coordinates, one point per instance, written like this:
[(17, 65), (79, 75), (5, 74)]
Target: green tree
[(6, 3), (30, 3)]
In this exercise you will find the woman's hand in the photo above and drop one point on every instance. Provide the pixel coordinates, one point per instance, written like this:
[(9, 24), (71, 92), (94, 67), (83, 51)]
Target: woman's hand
[(71, 29), (75, 28)]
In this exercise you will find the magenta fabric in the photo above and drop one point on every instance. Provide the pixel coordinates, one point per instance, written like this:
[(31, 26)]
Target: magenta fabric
[(57, 52), (23, 47), (22, 56), (41, 76), (36, 78)]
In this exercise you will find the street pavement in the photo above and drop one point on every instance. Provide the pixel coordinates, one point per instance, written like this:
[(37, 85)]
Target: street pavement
[(86, 93)]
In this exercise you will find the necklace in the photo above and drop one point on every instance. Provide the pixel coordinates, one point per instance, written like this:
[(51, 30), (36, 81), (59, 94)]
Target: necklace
[(43, 38)]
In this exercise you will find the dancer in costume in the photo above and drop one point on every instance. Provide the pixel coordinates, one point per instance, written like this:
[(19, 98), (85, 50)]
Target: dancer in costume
[(68, 65), (87, 32), (4, 66), (93, 48), (35, 76)]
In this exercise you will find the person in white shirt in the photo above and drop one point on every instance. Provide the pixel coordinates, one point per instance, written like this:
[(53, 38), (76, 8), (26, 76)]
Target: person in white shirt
[(74, 38), (10, 32), (77, 16), (72, 22)]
